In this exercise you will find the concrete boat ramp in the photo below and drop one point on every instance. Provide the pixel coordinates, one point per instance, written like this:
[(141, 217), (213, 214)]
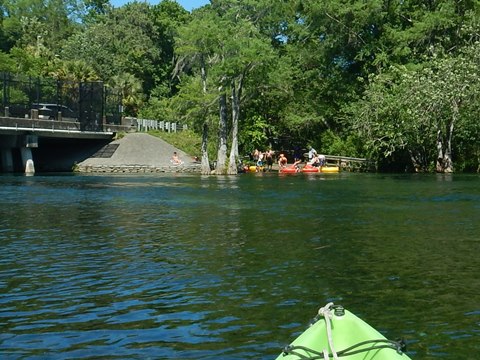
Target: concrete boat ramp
[(137, 153)]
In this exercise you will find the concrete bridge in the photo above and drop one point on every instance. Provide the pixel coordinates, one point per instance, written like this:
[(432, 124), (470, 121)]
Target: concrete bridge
[(27, 144)]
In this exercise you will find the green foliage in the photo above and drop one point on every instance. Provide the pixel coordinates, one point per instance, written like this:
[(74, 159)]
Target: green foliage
[(42, 25), (187, 140), (131, 89), (424, 112), (253, 135), (7, 63), (28, 63), (333, 144), (17, 96), (404, 74), (74, 70)]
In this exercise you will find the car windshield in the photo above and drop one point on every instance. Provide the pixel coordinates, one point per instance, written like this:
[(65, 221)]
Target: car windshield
[(52, 110)]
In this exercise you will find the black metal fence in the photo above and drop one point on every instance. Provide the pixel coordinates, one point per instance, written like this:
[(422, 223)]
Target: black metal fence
[(92, 104)]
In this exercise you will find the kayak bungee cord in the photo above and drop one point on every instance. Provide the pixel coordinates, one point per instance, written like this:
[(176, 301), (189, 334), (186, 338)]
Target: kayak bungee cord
[(290, 350), (363, 346), (399, 346)]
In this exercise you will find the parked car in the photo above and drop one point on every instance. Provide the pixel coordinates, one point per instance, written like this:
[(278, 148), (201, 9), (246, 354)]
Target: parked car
[(50, 112)]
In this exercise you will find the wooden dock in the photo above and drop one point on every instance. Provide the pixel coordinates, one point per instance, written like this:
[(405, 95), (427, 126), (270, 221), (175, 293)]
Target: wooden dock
[(350, 163)]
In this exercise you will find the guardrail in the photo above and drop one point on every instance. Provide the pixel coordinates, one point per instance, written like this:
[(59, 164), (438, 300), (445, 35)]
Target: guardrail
[(57, 128), (147, 124)]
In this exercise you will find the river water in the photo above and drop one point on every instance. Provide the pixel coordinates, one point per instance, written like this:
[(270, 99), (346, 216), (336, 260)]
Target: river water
[(190, 267)]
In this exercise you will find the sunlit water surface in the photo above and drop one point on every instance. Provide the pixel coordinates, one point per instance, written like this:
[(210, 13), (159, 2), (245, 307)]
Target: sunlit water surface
[(191, 267)]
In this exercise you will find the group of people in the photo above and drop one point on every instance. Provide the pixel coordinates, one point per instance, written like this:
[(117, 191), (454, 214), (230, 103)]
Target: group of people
[(314, 159), (283, 162), (267, 158), (263, 157)]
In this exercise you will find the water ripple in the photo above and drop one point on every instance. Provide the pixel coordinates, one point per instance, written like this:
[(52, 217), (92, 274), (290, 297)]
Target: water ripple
[(200, 267)]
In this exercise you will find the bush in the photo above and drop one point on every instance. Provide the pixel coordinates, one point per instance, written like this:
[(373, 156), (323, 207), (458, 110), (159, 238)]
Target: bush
[(333, 144), (186, 140)]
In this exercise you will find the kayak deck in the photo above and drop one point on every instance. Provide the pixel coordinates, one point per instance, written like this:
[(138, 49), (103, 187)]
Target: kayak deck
[(350, 338)]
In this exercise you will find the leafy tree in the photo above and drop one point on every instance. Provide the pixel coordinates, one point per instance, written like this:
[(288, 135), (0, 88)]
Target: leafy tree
[(168, 16), (121, 41), (334, 47), (75, 71), (26, 22), (7, 64), (259, 71), (229, 50), (131, 89), (195, 51), (421, 111), (28, 62)]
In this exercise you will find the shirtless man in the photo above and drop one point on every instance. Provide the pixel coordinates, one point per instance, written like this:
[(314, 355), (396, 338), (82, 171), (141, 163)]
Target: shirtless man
[(282, 161), (269, 157)]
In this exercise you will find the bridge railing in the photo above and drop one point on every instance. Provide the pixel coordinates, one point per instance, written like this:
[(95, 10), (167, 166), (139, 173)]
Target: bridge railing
[(144, 125), (89, 103)]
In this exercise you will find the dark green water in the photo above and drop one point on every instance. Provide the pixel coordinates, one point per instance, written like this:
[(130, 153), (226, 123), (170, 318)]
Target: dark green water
[(190, 267)]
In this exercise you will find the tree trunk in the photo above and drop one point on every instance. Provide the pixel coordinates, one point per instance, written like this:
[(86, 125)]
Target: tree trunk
[(222, 136), (205, 167), (447, 158), (444, 155), (416, 159), (439, 163), (448, 162), (205, 162), (236, 93), (204, 76)]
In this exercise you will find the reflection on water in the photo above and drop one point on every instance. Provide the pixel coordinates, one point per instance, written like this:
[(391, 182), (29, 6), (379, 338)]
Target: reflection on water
[(176, 266)]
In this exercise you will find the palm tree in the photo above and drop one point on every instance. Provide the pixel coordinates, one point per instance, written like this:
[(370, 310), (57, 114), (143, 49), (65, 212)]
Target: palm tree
[(131, 89)]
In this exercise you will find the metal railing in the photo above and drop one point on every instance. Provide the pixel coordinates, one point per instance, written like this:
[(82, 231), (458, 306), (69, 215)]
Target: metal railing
[(148, 124), (90, 104)]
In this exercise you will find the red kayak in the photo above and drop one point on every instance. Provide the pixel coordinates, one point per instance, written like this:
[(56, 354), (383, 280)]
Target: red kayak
[(310, 169), (289, 170)]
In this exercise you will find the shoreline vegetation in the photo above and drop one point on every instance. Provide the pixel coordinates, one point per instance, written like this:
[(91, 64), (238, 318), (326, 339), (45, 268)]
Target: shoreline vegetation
[(395, 83), (186, 140)]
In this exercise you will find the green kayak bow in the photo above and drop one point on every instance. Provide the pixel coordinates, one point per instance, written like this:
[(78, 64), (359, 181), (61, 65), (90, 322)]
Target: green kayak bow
[(336, 333)]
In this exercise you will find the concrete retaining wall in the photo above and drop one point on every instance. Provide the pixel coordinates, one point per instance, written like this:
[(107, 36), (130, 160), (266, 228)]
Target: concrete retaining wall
[(137, 169)]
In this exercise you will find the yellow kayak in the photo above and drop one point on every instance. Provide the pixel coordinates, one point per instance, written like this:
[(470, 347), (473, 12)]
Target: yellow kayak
[(253, 168), (329, 169)]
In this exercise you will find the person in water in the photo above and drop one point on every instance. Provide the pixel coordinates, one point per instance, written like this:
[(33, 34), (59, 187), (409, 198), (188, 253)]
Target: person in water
[(322, 160), (315, 161), (259, 163), (297, 163), (282, 161)]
